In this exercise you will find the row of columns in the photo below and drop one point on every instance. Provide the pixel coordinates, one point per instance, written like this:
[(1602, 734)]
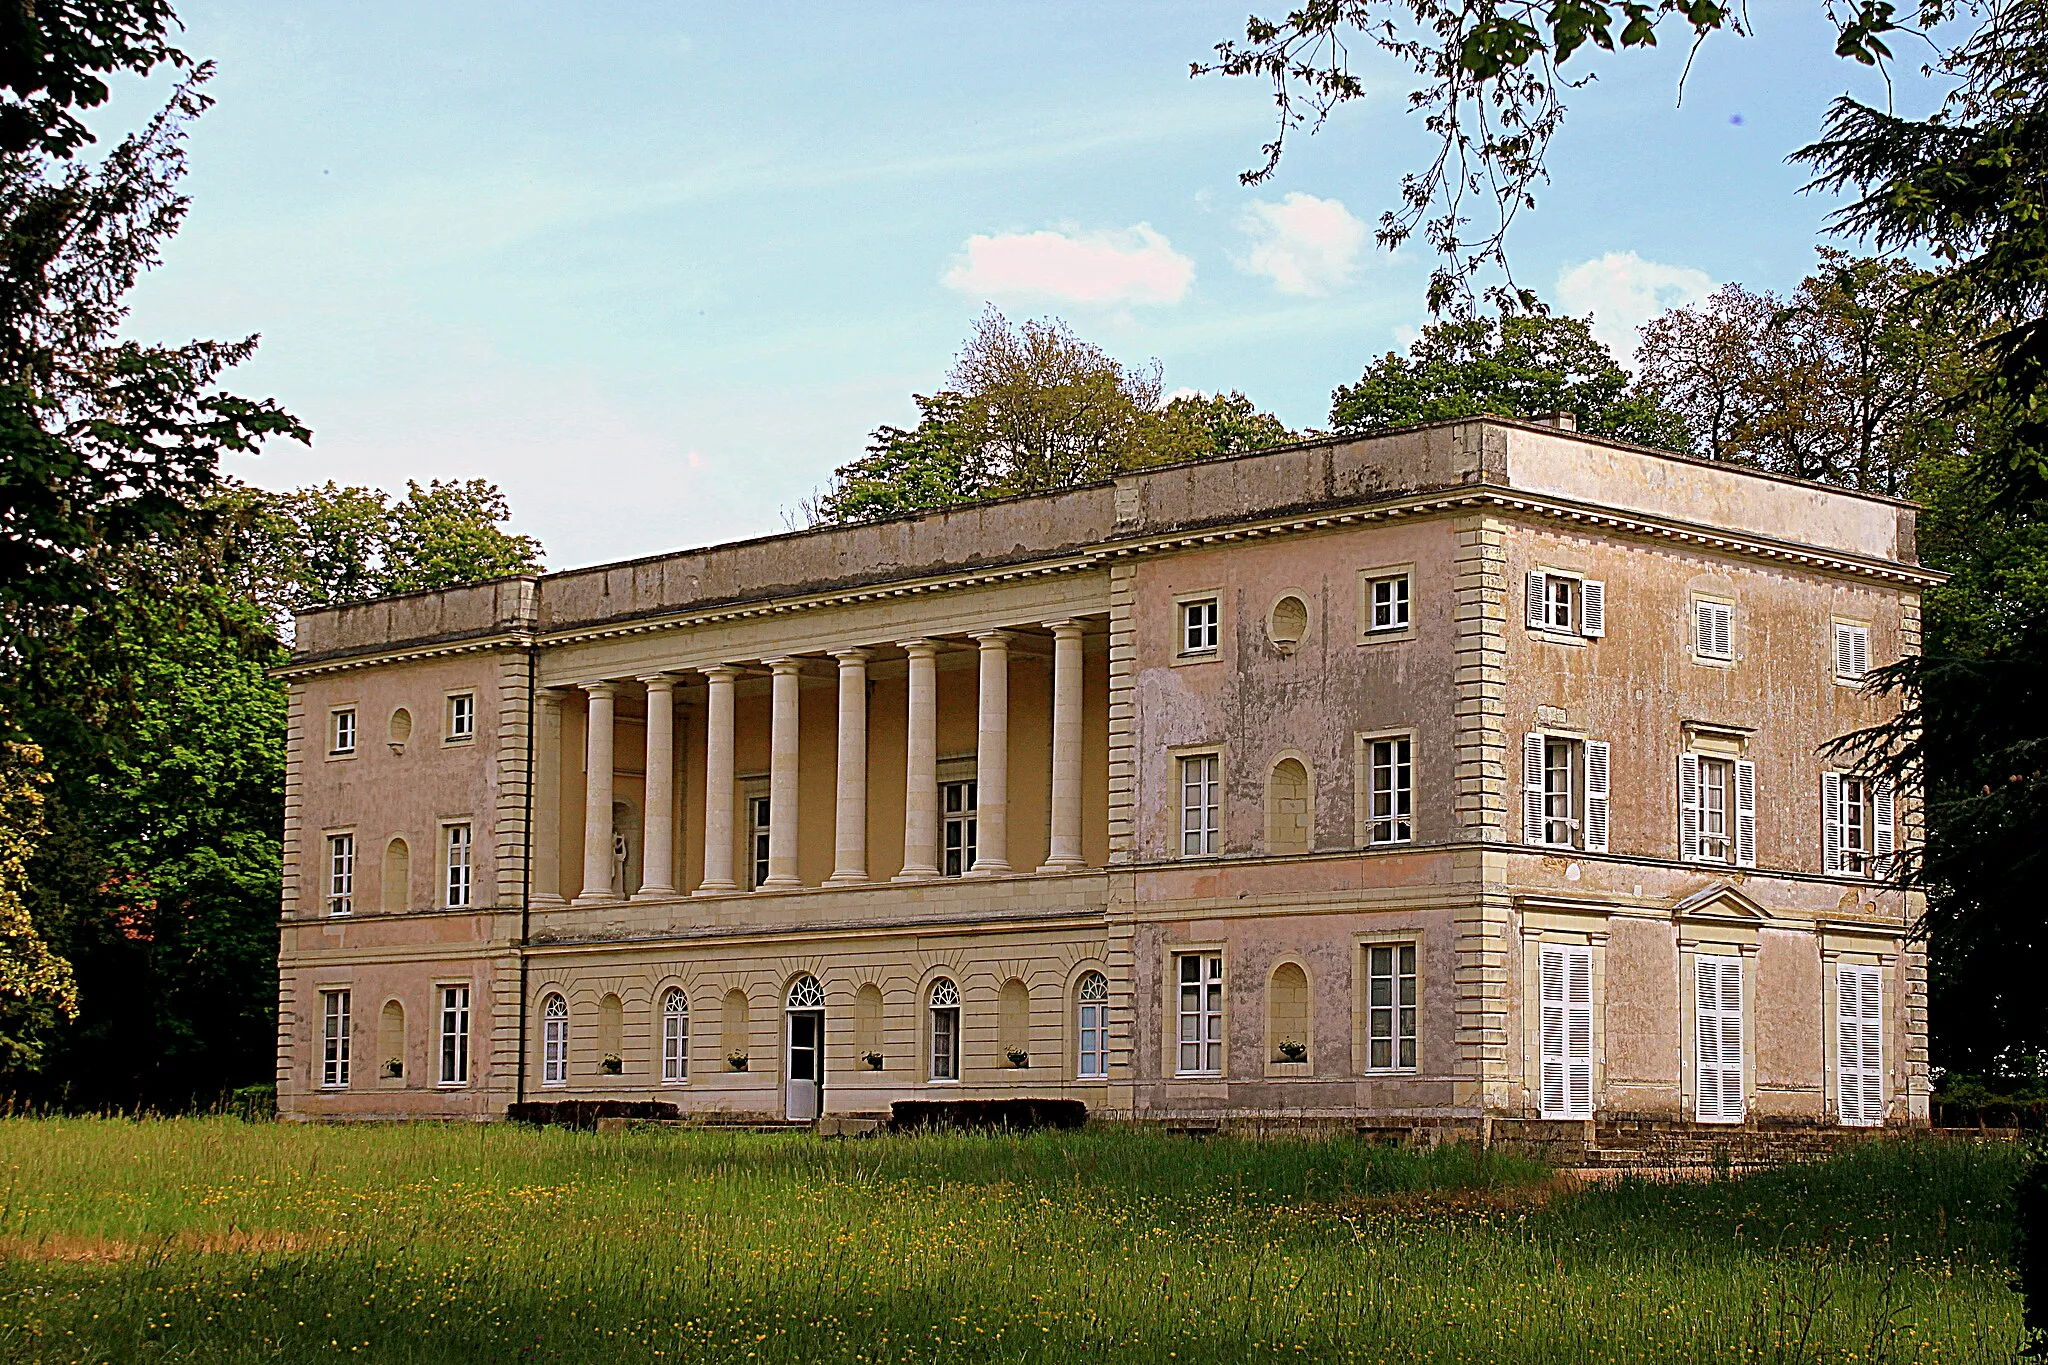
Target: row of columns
[(850, 820)]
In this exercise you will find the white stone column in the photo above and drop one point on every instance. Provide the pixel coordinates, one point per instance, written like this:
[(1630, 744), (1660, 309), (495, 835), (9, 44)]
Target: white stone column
[(921, 765), (850, 807), (992, 757), (783, 757), (718, 782), (546, 888), (658, 824), (597, 797), (1063, 853)]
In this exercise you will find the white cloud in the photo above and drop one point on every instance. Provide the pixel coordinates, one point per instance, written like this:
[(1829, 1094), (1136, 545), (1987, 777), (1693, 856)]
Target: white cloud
[(1623, 291), (1305, 245), (1137, 265)]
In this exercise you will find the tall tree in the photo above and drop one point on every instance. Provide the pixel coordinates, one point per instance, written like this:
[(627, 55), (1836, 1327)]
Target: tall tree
[(1509, 366), (54, 58)]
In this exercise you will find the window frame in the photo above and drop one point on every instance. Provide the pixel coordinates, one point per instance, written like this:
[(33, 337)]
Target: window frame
[(454, 710), (1211, 1013), (963, 823), (554, 1040), (1864, 1011), (1713, 631), (1719, 962), (1083, 1005), (754, 797), (1875, 805), (1399, 582), (675, 1036), (1851, 638), (458, 834), (942, 1026), (1584, 601), (1393, 1008), (460, 1034), (339, 867), (336, 1037), (336, 715), (1183, 603), (1564, 1015), (1399, 819), (1210, 831), (1588, 798)]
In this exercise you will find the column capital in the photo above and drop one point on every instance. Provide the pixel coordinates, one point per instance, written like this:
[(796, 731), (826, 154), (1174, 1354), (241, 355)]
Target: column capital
[(992, 638), (918, 646), (785, 663), (551, 696), (721, 672), (858, 654), (604, 688), (654, 680), (1064, 626)]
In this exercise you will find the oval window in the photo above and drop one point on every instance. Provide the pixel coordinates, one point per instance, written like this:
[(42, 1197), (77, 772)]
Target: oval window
[(1287, 623)]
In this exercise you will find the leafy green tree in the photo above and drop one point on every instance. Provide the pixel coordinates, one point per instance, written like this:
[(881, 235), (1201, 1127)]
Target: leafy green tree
[(1509, 366), (1198, 427), (37, 989), (908, 469), (53, 57)]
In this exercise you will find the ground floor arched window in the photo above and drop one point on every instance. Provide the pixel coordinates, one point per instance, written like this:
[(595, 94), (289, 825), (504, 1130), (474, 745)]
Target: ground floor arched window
[(945, 1019), (675, 1036), (554, 1041), (1091, 998)]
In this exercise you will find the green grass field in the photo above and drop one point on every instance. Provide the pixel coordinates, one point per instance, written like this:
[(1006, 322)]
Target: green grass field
[(215, 1240)]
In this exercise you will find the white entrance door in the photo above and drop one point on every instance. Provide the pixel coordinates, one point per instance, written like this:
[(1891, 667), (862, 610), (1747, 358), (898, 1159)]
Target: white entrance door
[(806, 1048), (1565, 1022)]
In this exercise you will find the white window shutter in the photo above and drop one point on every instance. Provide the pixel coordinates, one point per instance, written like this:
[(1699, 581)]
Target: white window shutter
[(1539, 585), (1596, 796), (1831, 822), (1688, 807), (1724, 620), (1592, 607), (1884, 824), (1859, 1054), (1578, 1033), (1551, 1097), (1717, 1033), (1745, 814), (1845, 651), (1532, 787), (1702, 630), (1859, 650)]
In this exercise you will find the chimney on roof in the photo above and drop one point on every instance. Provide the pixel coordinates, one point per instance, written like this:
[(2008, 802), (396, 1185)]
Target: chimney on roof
[(1563, 421)]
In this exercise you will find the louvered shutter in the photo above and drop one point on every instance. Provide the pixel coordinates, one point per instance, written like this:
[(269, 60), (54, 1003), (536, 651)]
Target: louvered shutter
[(1859, 1058), (1745, 814), (1884, 827), (1723, 621), (1688, 806), (1532, 787), (1551, 1010), (1596, 796), (1845, 651), (1859, 650), (1539, 585), (1578, 1033), (1831, 822), (1717, 1033), (1592, 607), (1702, 629)]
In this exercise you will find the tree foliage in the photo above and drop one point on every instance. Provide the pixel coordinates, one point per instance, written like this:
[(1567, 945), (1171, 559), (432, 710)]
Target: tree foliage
[(37, 990), (1508, 366), (1030, 408), (54, 56)]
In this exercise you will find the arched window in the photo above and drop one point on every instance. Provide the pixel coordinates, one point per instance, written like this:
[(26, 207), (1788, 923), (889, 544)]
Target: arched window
[(806, 994), (554, 1041), (945, 1011), (675, 1036), (1092, 997)]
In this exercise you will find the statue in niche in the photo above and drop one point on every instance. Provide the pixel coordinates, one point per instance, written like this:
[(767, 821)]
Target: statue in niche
[(619, 864)]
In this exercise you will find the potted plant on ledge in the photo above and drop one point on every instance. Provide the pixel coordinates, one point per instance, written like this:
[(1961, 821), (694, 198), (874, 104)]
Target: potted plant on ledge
[(737, 1061)]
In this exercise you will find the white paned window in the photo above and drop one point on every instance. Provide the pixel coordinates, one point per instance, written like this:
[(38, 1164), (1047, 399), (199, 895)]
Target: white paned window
[(1092, 1002), (1392, 796), (1566, 604), (1198, 627), (1201, 809), (1858, 825), (1201, 1015), (554, 1041), (1716, 810), (334, 1039), (758, 812), (1389, 603), (1565, 988), (1390, 1007), (957, 802), (461, 717), (455, 1035), (1717, 1039), (341, 874), (1859, 1033), (1565, 791), (341, 737), (1712, 631), (459, 879), (1852, 652), (675, 1037), (945, 1026)]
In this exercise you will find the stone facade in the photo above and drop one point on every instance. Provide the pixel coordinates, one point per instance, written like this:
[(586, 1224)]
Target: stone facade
[(1465, 774)]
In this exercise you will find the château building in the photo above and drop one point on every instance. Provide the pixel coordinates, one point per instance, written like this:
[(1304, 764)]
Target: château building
[(1462, 775)]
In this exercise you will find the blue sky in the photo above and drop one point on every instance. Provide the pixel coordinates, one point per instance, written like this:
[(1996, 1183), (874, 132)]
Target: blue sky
[(657, 269)]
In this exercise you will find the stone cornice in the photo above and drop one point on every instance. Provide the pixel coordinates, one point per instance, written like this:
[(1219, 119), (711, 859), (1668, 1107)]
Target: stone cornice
[(437, 649)]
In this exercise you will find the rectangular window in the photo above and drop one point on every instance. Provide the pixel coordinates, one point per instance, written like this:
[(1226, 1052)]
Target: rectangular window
[(1564, 792), (341, 737), (1852, 652), (1201, 1015), (945, 1042), (1198, 627), (1858, 829), (1393, 791), (1712, 631), (1201, 811), (461, 717), (1859, 1064), (1390, 1007), (1566, 604), (1565, 1025), (341, 874), (1716, 810), (757, 839), (1715, 806), (334, 1039), (455, 1035), (1718, 1037), (458, 865), (1561, 792), (1389, 603), (957, 807)]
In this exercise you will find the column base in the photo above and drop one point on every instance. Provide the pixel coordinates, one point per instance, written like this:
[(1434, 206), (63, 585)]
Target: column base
[(916, 874), (598, 898), (781, 884), (847, 879), (982, 869), (1063, 865), (546, 900), (716, 889), (653, 893)]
